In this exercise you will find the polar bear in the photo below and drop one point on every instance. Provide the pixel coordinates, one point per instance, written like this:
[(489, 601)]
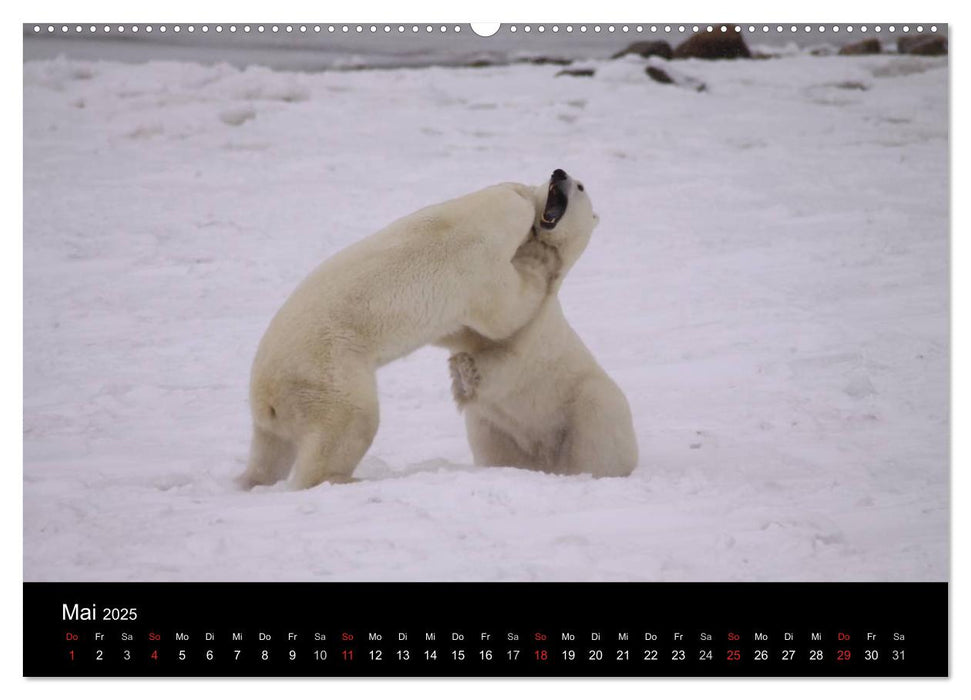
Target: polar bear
[(539, 399), (421, 280)]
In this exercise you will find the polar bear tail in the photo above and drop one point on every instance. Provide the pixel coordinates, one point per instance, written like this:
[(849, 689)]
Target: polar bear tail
[(265, 414), (265, 406)]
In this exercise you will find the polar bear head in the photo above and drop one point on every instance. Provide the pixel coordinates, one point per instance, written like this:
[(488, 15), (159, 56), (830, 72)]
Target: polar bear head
[(564, 217)]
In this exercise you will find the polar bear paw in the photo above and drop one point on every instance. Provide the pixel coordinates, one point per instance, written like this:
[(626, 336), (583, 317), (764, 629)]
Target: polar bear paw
[(465, 377)]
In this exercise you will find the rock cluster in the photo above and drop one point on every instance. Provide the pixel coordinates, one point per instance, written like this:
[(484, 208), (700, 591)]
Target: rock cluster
[(713, 45), (923, 45), (861, 48)]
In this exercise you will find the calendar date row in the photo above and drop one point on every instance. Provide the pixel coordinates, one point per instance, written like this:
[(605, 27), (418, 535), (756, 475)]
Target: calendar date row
[(539, 655)]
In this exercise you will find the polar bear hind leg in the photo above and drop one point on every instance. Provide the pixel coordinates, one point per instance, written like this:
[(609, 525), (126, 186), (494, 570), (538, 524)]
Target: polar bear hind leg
[(492, 447), (600, 440), (338, 429), (270, 459)]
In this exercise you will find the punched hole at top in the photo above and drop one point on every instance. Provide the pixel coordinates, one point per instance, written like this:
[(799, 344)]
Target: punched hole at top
[(485, 28)]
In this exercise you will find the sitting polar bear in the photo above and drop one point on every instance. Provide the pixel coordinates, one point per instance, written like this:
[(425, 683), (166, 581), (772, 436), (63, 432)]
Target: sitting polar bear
[(421, 280), (539, 399)]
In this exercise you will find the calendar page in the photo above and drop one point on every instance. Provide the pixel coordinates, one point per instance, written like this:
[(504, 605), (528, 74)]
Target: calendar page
[(496, 350)]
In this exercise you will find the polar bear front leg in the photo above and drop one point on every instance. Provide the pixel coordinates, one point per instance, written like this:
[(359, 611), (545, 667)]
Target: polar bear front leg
[(465, 377), (512, 296)]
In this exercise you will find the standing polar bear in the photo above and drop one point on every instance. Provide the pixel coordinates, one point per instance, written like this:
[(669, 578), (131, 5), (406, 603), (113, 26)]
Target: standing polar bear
[(421, 280), (539, 399)]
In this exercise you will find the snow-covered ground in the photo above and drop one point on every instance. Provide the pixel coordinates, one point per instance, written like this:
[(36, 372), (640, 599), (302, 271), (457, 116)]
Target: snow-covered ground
[(768, 284)]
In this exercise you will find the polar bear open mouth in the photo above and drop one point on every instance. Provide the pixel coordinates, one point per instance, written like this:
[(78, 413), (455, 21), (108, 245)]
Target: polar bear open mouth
[(556, 200)]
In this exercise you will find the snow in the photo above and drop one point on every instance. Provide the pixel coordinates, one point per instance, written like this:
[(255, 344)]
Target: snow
[(768, 284)]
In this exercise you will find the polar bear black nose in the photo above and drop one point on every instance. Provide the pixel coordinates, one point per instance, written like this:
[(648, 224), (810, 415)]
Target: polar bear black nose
[(558, 176)]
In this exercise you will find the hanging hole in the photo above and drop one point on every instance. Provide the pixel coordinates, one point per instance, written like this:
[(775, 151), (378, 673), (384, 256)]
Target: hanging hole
[(485, 28)]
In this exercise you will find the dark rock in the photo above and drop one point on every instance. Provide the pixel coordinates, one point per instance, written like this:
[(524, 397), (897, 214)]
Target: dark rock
[(923, 45), (576, 72), (546, 61), (646, 49), (861, 48), (851, 85), (659, 75), (662, 76), (714, 44)]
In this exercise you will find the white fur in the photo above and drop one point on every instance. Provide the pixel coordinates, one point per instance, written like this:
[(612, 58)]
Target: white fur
[(418, 281), (539, 399)]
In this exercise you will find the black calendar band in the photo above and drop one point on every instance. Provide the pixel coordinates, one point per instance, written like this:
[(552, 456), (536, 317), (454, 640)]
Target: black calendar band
[(486, 629)]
